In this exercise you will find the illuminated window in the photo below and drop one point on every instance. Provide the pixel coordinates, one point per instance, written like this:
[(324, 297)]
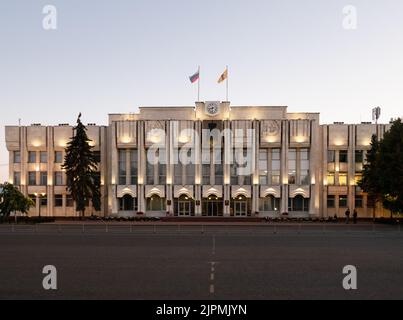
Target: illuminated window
[(330, 179), (343, 179)]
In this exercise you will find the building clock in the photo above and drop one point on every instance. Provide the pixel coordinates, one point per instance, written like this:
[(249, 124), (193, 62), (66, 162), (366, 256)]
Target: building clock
[(212, 108)]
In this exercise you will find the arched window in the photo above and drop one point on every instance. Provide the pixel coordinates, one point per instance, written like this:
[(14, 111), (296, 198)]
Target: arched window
[(127, 203), (269, 203), (155, 203), (298, 203)]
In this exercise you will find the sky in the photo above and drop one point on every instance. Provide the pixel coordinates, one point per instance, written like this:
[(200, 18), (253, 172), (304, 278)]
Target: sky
[(113, 56)]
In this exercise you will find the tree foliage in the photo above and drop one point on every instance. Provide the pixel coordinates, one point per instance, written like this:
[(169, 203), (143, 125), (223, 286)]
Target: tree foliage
[(12, 200), (383, 172), (81, 165)]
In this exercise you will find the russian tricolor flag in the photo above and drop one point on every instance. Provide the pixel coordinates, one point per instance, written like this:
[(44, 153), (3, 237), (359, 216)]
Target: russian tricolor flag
[(194, 77)]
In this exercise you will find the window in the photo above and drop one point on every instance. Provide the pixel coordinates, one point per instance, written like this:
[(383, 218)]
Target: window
[(122, 166), (343, 179), (32, 178), (178, 174), (58, 157), (358, 201), (331, 201), (150, 173), (359, 156), (69, 201), (43, 155), (357, 178), (58, 200), (343, 156), (17, 178), (58, 178), (331, 156), (218, 173), (269, 203), (206, 174), (33, 198), (263, 178), (343, 201), (127, 203), (133, 167), (43, 178), (162, 168), (155, 203), (275, 166), (190, 173), (304, 173), (31, 157), (299, 203), (330, 179), (17, 157), (44, 200), (292, 166)]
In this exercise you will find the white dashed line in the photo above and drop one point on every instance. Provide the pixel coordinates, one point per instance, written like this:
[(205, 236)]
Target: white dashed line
[(211, 288)]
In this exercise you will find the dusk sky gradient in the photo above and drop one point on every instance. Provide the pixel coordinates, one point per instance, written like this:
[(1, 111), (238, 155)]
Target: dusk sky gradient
[(114, 56)]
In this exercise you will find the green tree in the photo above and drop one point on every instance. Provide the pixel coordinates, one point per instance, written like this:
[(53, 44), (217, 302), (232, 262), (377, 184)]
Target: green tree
[(12, 200), (81, 165), (383, 172)]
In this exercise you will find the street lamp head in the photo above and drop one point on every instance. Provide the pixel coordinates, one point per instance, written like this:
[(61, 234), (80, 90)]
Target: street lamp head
[(43, 194), (36, 194)]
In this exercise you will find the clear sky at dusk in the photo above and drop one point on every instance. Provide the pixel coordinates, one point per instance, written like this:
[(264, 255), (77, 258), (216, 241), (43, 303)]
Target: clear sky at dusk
[(114, 56)]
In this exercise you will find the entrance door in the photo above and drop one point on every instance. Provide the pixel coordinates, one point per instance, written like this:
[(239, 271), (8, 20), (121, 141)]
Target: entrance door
[(240, 206), (212, 207)]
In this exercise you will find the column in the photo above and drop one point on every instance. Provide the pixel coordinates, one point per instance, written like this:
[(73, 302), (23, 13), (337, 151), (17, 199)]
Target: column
[(284, 166), (198, 167)]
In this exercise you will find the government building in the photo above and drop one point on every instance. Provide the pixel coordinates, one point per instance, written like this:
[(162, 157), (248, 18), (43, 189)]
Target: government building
[(237, 161)]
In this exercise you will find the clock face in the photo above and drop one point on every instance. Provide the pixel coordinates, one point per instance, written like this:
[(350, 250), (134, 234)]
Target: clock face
[(212, 108)]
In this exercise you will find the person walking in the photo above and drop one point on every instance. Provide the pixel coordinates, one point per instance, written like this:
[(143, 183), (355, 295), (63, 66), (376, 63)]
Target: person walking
[(347, 215), (355, 214)]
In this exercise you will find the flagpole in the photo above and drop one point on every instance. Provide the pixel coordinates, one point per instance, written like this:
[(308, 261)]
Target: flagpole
[(227, 83), (198, 87)]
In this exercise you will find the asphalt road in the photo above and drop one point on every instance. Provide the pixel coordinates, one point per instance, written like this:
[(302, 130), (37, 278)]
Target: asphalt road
[(221, 263)]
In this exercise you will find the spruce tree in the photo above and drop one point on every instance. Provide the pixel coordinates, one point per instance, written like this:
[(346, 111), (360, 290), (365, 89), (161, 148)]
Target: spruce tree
[(81, 165)]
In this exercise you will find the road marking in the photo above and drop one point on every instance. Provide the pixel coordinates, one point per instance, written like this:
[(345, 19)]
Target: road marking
[(211, 288), (212, 276)]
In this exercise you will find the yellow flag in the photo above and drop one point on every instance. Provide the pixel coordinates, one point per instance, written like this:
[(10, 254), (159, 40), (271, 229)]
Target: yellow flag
[(223, 76)]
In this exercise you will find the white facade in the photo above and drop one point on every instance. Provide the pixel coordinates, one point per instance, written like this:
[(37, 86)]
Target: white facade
[(296, 166)]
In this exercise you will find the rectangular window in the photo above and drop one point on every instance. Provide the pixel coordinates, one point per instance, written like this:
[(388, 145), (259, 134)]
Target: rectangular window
[(206, 174), (343, 179), (275, 166), (331, 202), (58, 200), (31, 157), (190, 173), (218, 173), (162, 168), (263, 169), (150, 173), (331, 156), (33, 198), (43, 155), (178, 174), (122, 166), (44, 200), (58, 178), (17, 157), (43, 178), (58, 157), (32, 178), (359, 158), (343, 201), (69, 201), (330, 179), (17, 178), (343, 156), (292, 166), (358, 201), (133, 167), (357, 178)]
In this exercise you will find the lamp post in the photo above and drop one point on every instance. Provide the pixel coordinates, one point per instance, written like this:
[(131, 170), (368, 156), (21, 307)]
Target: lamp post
[(40, 196)]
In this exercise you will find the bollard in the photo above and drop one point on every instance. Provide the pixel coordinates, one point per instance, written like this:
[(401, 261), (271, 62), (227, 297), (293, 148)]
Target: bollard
[(155, 229)]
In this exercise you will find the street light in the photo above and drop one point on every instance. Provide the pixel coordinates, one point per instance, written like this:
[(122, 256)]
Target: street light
[(39, 196)]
